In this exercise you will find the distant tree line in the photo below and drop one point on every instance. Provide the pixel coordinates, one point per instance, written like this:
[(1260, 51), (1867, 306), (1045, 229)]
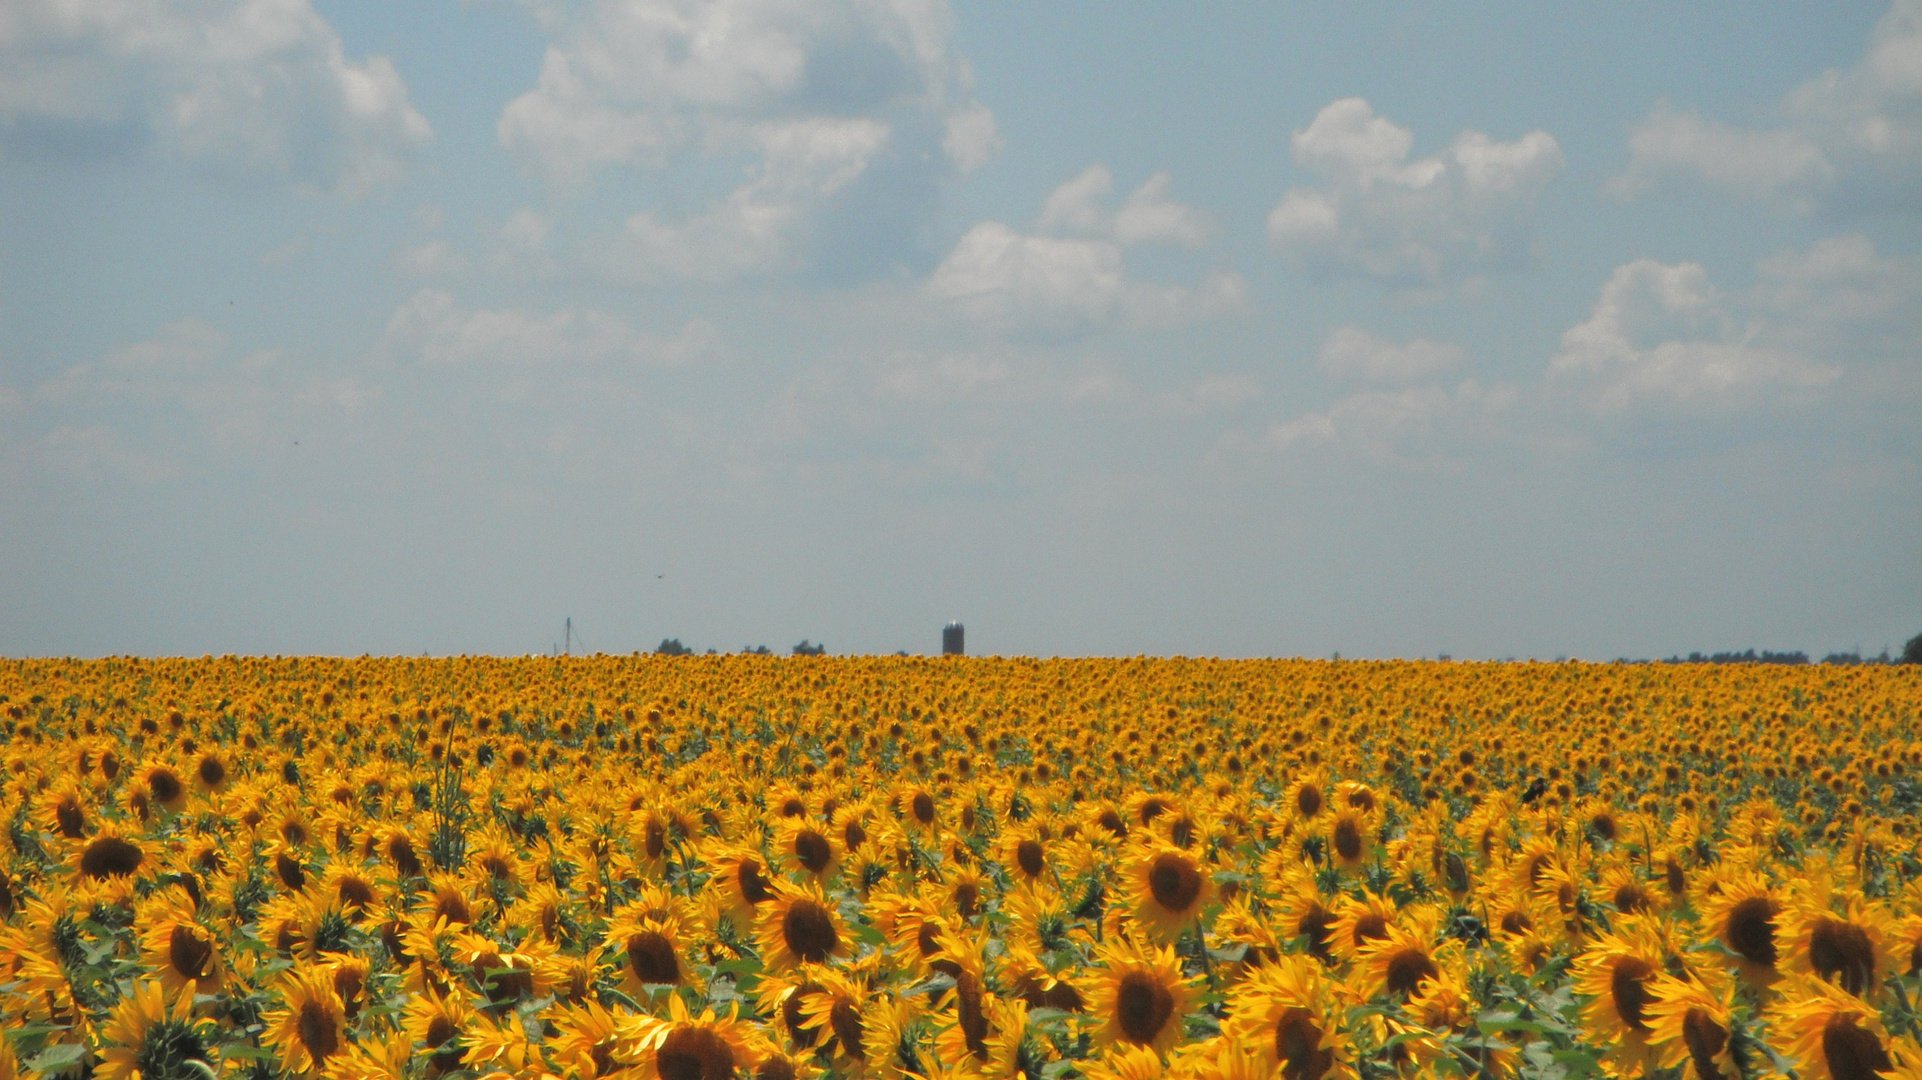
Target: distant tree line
[(1911, 654), (673, 647)]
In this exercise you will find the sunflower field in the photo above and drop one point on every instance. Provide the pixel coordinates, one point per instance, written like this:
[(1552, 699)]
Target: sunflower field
[(754, 868)]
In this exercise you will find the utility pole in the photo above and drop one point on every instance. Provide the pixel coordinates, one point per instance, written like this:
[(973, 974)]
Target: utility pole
[(570, 635)]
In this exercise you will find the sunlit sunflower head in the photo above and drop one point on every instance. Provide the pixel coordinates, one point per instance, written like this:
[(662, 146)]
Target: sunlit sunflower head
[(682, 1046), (743, 879), (1302, 914), (438, 1021), (1138, 996), (310, 1026), (1745, 916), (1618, 972), (1030, 978), (807, 847), (799, 925), (1401, 963), (652, 950), (1691, 1023), (152, 1035), (586, 1037), (1359, 921), (1024, 854), (1286, 1013), (1831, 1034), (1167, 889), (183, 953), (1350, 837), (1123, 1061), (1839, 938), (64, 811), (163, 786), (1305, 800), (112, 854)]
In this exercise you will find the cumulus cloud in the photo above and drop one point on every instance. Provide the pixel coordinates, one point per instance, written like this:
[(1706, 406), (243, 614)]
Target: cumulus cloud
[(1661, 336), (1850, 136), (1379, 214), (433, 328), (848, 104), (243, 84), (1014, 281), (1354, 354), (1147, 216)]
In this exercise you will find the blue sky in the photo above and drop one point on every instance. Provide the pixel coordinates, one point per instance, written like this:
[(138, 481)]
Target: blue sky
[(1263, 329)]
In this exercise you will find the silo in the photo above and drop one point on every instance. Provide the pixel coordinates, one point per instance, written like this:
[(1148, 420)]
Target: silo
[(951, 643)]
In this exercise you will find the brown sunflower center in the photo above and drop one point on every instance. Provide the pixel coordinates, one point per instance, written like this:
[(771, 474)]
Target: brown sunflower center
[(212, 771), (1316, 925), (354, 892), (845, 1019), (923, 805), (1749, 930), (164, 786), (1407, 968), (753, 883), (1142, 1007), (1517, 922), (1308, 800), (401, 850), (692, 1052), (1630, 897), (439, 1029), (1852, 1052), (1027, 855), (188, 951), (1369, 926), (808, 930), (791, 1016), (1348, 839), (1112, 822), (289, 870), (775, 1067), (1628, 989), (812, 849), (110, 856), (974, 1022), (1705, 1039), (1298, 1046), (71, 817), (319, 1030), (654, 839), (1842, 953), (651, 957), (1174, 882), (853, 835)]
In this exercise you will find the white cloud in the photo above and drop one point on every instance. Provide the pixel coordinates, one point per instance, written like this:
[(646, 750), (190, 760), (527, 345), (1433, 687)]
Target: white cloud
[(1661, 336), (814, 97), (1012, 281), (1379, 214), (1849, 135), (432, 328), (1398, 424), (1147, 216), (430, 258), (1351, 353), (250, 84)]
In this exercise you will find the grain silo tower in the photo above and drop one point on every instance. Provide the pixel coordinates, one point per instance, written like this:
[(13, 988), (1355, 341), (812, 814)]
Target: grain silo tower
[(951, 640)]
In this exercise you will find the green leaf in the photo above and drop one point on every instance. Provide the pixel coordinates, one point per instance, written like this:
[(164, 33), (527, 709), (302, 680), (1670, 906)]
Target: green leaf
[(58, 1058)]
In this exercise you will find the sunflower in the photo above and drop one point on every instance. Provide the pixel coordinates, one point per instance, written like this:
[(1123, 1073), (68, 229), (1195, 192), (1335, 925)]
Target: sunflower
[(311, 1026), (1350, 837), (1138, 995), (682, 1046), (1303, 915), (1402, 961), (164, 786), (834, 1008), (1832, 1034), (741, 877), (585, 1039), (1618, 972), (1691, 1023), (1359, 921), (1744, 915), (183, 952), (806, 848), (63, 811), (652, 951), (1848, 947), (1305, 799), (152, 1040), (1286, 1013), (112, 853), (437, 1021), (800, 925), (1032, 980), (1024, 853), (1167, 889)]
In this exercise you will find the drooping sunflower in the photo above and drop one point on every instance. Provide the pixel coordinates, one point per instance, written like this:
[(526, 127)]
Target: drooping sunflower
[(1137, 995), (1689, 1022), (1286, 1013), (63, 811), (799, 925), (1167, 889), (1831, 1034), (150, 1039), (310, 1026), (1303, 914), (1350, 836)]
